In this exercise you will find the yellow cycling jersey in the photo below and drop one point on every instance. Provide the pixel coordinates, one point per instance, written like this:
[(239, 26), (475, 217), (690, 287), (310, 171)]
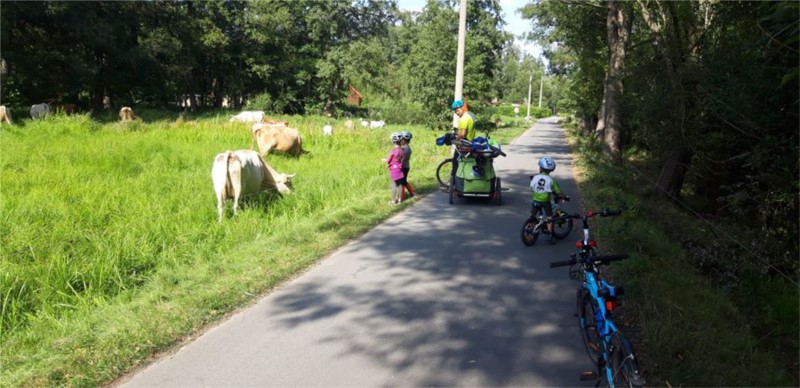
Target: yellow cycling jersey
[(467, 122)]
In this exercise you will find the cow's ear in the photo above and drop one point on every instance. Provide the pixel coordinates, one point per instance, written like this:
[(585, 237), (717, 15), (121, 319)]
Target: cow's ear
[(290, 175)]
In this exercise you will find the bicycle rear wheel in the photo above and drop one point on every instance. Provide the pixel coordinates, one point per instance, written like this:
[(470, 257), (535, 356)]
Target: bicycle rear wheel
[(443, 173), (587, 310), (531, 228), (563, 228), (623, 363)]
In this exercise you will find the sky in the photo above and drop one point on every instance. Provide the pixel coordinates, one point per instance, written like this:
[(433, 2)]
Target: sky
[(514, 22)]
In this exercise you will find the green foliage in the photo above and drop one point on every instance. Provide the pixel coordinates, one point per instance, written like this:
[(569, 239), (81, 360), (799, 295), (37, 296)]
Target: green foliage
[(393, 111), (688, 330), (262, 101)]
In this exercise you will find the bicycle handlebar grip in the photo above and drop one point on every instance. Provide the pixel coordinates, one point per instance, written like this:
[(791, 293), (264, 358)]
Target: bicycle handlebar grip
[(615, 257), (610, 213), (562, 263), (495, 149)]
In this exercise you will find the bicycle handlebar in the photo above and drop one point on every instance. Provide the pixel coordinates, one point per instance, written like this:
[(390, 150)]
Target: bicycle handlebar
[(604, 260), (591, 213)]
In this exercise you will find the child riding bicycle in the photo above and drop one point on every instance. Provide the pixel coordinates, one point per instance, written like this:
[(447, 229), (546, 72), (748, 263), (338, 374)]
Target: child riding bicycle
[(545, 188)]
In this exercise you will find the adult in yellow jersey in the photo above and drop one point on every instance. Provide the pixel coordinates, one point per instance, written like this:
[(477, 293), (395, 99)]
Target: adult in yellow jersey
[(466, 127), (466, 121)]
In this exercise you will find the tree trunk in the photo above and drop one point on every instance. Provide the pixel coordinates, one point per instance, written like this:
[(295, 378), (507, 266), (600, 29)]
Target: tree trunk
[(672, 175), (677, 164), (610, 117)]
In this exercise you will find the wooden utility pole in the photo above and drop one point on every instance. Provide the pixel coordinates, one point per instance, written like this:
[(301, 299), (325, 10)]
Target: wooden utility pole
[(462, 38)]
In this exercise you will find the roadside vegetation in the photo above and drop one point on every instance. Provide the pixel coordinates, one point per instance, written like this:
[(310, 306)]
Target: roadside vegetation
[(695, 320), (110, 246)]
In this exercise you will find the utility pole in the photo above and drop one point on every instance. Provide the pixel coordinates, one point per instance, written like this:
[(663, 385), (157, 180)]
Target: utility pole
[(462, 38), (541, 83), (530, 83)]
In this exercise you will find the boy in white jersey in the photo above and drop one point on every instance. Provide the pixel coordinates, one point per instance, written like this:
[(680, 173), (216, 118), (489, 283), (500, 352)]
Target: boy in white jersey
[(544, 186)]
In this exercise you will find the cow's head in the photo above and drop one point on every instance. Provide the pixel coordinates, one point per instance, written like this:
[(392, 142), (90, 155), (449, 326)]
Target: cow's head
[(284, 183)]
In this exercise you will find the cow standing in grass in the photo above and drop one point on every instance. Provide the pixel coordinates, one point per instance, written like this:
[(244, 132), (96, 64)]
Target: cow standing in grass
[(126, 114), (4, 116), (244, 172), (278, 137), (248, 116), (40, 111)]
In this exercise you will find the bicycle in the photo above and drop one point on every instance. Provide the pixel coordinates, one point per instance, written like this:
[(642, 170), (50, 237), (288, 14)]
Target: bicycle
[(537, 223), (607, 347)]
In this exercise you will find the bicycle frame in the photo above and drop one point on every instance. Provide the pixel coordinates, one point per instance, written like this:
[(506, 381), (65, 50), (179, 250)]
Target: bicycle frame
[(603, 323)]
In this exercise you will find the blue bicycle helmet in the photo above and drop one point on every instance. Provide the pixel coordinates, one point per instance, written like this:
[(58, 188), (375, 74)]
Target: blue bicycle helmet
[(547, 163), (406, 135), (456, 104)]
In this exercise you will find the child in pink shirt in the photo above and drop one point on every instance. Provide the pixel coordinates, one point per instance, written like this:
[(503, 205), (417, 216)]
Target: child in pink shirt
[(395, 163)]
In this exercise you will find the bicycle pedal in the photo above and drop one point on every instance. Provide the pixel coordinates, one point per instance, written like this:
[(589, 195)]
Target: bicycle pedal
[(588, 375)]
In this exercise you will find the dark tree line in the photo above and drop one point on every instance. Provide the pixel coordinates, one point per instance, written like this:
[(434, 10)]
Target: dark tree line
[(705, 91), (287, 56)]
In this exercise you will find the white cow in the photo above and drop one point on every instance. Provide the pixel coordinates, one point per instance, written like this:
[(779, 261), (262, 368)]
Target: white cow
[(364, 123), (349, 124), (39, 111), (248, 116), (376, 124), (244, 172), (4, 116), (327, 130)]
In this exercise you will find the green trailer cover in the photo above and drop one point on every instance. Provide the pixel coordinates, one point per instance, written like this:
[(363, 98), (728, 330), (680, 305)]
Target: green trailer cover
[(471, 182)]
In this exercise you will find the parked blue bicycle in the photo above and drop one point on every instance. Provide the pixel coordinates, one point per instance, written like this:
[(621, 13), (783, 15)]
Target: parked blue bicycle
[(610, 351)]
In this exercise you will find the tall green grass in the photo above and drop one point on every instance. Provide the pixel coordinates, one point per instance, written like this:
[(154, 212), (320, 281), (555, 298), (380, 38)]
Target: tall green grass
[(110, 249), (690, 331)]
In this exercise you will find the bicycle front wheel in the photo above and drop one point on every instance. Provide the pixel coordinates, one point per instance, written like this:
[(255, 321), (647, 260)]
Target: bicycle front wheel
[(623, 363), (587, 313), (443, 173), (563, 228), (531, 228)]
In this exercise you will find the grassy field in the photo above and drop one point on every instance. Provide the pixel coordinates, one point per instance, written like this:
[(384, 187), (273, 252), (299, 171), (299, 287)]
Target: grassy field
[(110, 250), (688, 329)]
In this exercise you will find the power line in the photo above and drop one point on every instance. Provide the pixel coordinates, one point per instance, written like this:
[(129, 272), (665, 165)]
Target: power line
[(711, 224)]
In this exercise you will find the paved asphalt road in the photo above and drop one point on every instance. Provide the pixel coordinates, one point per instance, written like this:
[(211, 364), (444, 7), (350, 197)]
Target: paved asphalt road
[(438, 295)]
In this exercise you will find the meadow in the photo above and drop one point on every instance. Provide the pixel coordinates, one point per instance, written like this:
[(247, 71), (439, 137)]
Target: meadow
[(110, 249)]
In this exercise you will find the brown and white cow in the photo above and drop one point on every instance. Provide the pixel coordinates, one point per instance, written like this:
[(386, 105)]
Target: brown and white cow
[(126, 114), (277, 137), (4, 116), (244, 172)]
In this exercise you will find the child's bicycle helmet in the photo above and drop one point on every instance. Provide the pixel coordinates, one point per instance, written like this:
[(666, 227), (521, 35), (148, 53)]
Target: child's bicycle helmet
[(395, 137), (456, 104), (406, 135), (547, 163)]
